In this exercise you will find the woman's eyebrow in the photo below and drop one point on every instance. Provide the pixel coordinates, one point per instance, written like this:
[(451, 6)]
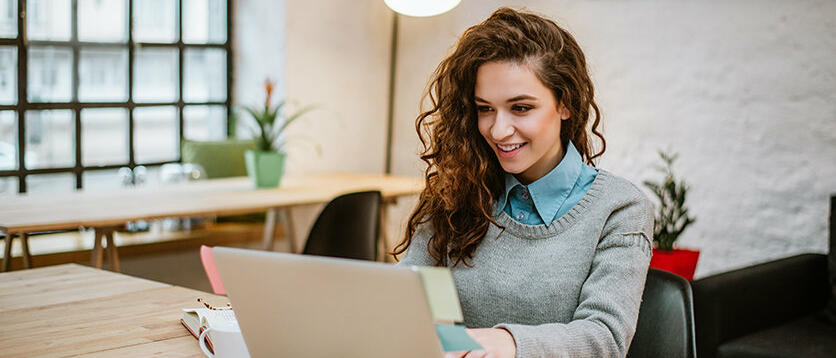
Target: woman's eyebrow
[(514, 99), (522, 97)]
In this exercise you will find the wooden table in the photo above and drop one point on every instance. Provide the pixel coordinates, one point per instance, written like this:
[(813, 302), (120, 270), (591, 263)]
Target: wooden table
[(107, 211), (73, 310)]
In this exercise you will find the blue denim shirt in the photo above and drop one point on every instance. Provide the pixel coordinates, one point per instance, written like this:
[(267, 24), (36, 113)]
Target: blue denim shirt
[(551, 196)]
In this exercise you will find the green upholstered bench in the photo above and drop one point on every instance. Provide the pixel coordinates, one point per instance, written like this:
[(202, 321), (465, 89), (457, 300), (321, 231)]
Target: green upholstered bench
[(219, 158)]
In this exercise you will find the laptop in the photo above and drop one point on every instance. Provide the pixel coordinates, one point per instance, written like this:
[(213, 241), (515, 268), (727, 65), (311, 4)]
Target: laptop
[(308, 306)]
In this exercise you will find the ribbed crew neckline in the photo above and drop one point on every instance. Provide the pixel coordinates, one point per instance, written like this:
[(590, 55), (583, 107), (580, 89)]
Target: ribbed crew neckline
[(538, 232)]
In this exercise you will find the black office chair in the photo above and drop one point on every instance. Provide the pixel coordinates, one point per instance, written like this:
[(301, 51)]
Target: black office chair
[(347, 227), (666, 319)]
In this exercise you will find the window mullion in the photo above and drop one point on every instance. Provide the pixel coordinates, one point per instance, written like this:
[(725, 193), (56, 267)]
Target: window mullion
[(131, 156), (229, 67), (21, 95), (180, 53), (78, 169)]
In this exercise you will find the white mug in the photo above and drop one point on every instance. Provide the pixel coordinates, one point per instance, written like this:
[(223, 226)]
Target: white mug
[(227, 342)]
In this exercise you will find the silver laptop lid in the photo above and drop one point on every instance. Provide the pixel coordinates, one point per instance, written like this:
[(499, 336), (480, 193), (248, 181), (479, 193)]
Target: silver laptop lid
[(307, 306)]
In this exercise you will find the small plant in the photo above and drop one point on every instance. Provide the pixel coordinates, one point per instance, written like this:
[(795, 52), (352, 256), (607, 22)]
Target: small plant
[(270, 121), (672, 217)]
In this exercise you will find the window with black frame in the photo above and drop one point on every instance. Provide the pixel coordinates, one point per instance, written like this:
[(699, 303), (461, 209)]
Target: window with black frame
[(91, 86)]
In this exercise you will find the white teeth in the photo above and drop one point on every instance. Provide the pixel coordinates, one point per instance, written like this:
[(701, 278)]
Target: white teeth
[(508, 148)]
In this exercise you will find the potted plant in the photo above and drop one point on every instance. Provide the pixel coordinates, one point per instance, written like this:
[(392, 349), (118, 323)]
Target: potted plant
[(670, 221), (265, 164)]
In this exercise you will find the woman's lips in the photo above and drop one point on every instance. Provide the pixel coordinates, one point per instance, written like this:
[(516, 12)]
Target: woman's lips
[(509, 153)]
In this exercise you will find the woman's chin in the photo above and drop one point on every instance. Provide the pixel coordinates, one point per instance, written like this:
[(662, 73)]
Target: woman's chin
[(512, 168)]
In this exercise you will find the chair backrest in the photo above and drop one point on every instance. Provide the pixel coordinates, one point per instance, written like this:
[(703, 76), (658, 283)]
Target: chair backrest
[(211, 269), (347, 227), (830, 311), (666, 319)]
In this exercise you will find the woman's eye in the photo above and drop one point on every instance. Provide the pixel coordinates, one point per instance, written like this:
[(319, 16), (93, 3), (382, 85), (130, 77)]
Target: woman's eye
[(482, 109), (521, 108)]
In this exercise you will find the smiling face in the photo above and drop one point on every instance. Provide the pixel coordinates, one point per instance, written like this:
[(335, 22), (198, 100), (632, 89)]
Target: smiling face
[(519, 118)]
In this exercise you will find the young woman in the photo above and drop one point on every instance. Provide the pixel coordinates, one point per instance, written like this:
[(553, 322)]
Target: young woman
[(549, 254)]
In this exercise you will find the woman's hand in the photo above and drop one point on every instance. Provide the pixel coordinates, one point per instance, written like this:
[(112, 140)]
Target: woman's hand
[(497, 343)]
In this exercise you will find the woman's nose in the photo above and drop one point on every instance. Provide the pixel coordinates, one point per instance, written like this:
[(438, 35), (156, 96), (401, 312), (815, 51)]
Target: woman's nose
[(502, 126)]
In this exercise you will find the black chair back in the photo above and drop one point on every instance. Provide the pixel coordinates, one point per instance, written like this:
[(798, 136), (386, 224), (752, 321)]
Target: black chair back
[(347, 227), (830, 311), (666, 319)]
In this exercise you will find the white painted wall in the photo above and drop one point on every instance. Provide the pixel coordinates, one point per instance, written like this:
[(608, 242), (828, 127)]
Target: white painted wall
[(330, 53), (744, 90), (338, 58)]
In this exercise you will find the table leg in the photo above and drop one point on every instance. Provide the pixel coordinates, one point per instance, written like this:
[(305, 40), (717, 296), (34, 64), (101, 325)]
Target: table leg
[(290, 231), (24, 243), (7, 254), (96, 258), (111, 251), (269, 229)]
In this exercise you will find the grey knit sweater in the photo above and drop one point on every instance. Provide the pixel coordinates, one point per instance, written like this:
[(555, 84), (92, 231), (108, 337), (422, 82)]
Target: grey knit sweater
[(571, 289)]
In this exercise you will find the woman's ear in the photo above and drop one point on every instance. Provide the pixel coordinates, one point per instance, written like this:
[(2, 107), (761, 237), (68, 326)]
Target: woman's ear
[(563, 112)]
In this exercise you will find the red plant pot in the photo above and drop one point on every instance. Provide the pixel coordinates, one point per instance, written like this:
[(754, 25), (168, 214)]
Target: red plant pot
[(679, 261)]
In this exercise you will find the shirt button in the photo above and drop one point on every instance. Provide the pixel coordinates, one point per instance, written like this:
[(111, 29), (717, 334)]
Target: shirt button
[(520, 216), (525, 194)]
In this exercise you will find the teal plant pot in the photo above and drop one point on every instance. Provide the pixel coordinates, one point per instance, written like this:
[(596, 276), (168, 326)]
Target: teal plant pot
[(265, 169)]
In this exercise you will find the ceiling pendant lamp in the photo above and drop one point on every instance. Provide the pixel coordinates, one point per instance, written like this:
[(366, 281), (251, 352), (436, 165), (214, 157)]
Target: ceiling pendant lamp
[(421, 8)]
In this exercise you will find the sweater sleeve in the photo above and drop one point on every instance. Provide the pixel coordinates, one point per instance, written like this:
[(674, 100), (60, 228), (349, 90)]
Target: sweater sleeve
[(416, 253), (604, 322)]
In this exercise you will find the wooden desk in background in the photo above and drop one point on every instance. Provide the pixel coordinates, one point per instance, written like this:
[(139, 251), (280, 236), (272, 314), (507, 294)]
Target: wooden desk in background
[(107, 211), (73, 310)]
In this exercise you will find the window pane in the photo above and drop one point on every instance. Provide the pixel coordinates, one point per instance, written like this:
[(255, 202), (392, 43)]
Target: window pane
[(104, 136), (8, 140), (8, 186), (103, 21), (8, 75), (101, 179), (38, 184), (204, 21), (155, 21), (155, 75), (50, 139), (50, 74), (204, 122), (156, 138), (48, 20), (204, 79), (103, 75), (8, 19)]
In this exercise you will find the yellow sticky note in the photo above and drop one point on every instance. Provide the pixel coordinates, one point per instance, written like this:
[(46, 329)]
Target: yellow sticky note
[(441, 293)]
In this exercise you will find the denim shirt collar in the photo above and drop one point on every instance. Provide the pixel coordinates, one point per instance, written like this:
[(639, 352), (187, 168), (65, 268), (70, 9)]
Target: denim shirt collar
[(550, 191)]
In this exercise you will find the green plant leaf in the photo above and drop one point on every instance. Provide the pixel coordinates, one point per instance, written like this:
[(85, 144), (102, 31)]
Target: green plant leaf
[(271, 115), (672, 217), (292, 118), (255, 114)]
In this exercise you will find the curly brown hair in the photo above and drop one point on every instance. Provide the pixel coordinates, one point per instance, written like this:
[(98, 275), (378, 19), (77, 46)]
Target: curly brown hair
[(463, 176)]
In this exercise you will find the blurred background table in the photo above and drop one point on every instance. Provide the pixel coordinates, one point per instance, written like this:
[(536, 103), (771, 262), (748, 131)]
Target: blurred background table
[(107, 211)]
